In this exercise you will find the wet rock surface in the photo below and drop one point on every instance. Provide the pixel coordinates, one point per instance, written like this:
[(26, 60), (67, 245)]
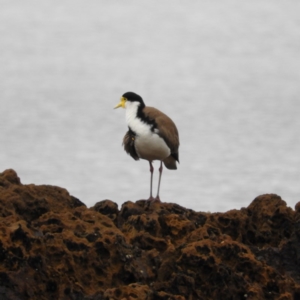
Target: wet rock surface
[(53, 247)]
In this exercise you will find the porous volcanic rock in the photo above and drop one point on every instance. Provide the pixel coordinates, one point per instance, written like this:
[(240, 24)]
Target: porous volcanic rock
[(53, 247)]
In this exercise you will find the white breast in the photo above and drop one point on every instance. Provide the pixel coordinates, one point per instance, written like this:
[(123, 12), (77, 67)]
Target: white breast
[(148, 144), (151, 147)]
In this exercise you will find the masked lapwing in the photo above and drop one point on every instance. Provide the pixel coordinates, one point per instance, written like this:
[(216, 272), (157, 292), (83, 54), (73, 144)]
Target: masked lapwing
[(151, 135)]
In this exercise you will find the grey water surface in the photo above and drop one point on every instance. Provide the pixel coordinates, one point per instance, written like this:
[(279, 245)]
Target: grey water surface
[(226, 71)]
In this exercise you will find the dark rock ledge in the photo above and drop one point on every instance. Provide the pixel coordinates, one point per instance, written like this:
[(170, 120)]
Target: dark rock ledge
[(53, 247)]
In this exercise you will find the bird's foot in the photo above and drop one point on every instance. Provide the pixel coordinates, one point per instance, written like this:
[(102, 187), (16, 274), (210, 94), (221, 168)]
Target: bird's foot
[(152, 199)]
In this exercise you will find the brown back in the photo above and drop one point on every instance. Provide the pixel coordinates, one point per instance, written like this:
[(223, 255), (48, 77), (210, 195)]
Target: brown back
[(167, 129)]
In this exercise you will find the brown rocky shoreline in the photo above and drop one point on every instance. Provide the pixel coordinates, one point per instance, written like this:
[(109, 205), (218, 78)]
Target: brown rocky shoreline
[(53, 247)]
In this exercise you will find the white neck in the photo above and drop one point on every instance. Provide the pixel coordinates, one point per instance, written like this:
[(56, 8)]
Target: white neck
[(136, 124), (131, 111)]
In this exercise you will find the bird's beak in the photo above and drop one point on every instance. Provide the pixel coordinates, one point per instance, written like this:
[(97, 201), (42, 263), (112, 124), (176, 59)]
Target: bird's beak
[(121, 103)]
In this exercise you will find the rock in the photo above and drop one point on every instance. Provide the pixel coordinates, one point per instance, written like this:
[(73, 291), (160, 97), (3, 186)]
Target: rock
[(108, 208), (53, 247)]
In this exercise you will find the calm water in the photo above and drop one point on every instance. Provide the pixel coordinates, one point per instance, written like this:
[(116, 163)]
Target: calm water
[(226, 71)]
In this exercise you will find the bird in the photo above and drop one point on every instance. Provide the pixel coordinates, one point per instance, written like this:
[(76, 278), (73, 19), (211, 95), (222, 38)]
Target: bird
[(151, 135)]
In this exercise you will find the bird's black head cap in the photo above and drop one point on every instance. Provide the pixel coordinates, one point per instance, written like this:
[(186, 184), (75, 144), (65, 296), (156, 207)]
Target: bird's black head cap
[(130, 96)]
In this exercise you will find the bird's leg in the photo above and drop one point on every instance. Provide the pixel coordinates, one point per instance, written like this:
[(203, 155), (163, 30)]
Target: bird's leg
[(160, 172), (151, 180)]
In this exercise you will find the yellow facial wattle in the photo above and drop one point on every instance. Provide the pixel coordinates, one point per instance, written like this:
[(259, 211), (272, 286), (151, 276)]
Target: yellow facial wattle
[(121, 103)]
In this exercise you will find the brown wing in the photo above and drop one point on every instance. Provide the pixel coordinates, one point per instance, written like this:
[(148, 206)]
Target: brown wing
[(170, 162), (128, 143), (166, 129)]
